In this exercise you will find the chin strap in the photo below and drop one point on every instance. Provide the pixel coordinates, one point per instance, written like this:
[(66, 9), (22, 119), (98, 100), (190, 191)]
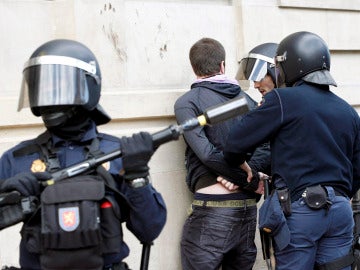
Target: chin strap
[(58, 118)]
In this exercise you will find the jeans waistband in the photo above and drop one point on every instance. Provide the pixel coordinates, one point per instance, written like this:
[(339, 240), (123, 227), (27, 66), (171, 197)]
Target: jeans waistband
[(226, 203)]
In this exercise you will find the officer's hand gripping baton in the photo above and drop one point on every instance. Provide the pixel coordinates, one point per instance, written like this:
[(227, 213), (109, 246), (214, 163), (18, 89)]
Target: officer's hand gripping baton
[(213, 115)]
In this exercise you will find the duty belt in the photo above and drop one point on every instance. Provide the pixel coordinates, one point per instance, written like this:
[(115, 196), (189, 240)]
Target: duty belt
[(226, 203)]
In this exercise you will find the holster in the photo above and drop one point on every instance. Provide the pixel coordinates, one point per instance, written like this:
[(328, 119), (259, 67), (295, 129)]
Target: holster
[(17, 209), (285, 200), (316, 197)]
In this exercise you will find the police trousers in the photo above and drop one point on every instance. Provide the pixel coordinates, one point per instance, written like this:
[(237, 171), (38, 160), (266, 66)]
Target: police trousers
[(215, 236), (317, 236)]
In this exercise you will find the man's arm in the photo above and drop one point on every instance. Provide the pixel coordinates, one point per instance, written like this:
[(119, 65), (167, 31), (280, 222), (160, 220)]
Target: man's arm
[(231, 186), (254, 130), (147, 213), (207, 153)]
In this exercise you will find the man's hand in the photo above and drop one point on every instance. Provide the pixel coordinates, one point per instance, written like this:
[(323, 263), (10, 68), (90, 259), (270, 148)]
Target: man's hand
[(262, 177), (257, 182), (259, 179), (255, 179), (227, 184), (136, 153), (248, 170)]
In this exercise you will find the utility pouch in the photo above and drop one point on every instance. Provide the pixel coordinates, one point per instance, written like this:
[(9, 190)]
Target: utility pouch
[(111, 229), (14, 208), (285, 200), (10, 215), (316, 197), (70, 224)]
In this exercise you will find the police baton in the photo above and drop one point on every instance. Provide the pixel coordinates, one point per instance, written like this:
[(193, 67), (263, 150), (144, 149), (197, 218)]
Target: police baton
[(266, 240), (211, 116), (145, 255)]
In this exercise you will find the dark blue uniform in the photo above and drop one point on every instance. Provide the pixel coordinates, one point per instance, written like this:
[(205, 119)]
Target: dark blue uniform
[(146, 217), (315, 139)]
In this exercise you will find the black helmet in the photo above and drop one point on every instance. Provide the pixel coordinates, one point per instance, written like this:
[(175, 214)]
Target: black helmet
[(62, 74), (258, 63), (300, 54)]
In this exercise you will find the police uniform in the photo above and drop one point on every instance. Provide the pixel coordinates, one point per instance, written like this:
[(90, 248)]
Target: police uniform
[(315, 140), (304, 155), (146, 225), (62, 84)]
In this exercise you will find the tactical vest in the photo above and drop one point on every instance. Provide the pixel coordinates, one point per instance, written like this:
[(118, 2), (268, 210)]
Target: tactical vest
[(79, 219)]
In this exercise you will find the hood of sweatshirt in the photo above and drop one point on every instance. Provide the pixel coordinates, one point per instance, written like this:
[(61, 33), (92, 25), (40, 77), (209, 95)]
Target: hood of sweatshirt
[(221, 84)]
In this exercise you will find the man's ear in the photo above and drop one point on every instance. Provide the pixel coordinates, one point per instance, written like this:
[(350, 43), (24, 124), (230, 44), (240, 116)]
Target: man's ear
[(222, 67)]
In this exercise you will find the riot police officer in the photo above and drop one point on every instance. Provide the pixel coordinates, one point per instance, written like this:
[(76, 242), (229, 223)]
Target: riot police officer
[(62, 85), (315, 148), (259, 67)]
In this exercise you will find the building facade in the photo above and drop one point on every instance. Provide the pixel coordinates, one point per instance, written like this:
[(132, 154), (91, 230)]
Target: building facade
[(142, 48)]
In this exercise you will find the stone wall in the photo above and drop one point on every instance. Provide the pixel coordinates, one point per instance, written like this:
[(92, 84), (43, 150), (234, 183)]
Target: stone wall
[(142, 48)]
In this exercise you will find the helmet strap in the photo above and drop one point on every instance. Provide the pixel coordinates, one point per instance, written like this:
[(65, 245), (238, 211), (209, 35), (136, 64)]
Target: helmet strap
[(74, 127), (55, 119)]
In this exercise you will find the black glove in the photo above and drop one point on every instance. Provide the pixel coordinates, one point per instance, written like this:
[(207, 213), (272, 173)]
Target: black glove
[(254, 183), (26, 183), (136, 153)]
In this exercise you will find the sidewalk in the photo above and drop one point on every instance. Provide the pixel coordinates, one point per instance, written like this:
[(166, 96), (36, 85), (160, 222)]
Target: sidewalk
[(260, 263)]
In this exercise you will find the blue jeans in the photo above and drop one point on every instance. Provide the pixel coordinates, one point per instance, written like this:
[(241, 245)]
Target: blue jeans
[(216, 236), (317, 236)]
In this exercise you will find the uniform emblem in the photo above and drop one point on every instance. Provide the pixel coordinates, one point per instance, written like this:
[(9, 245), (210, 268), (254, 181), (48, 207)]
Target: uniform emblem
[(38, 166), (69, 218)]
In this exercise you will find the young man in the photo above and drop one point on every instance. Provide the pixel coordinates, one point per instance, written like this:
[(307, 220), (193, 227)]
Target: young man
[(78, 225), (315, 147), (220, 231)]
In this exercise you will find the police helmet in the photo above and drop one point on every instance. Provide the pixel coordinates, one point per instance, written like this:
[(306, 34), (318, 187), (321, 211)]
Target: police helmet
[(62, 74), (303, 53), (259, 62)]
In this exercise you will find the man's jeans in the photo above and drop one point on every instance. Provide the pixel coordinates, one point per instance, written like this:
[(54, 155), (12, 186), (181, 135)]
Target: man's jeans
[(317, 236), (216, 236)]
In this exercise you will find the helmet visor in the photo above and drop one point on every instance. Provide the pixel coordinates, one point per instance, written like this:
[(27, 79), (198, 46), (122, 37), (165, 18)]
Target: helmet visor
[(254, 67), (54, 81)]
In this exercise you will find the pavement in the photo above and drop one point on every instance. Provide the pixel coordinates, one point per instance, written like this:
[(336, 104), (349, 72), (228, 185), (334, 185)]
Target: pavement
[(260, 263)]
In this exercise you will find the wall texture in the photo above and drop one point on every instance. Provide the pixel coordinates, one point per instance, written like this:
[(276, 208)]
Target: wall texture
[(142, 48)]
